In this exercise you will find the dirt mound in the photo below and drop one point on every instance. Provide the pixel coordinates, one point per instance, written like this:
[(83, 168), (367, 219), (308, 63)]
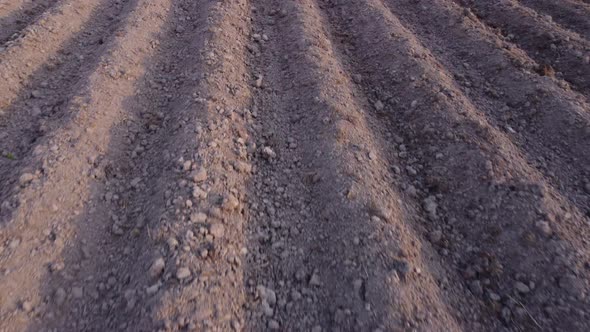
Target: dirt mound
[(312, 165)]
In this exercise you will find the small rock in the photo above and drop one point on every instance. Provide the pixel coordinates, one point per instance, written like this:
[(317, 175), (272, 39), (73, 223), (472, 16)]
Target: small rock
[(506, 314), (26, 178), (411, 170), (56, 267), (521, 287), (157, 267), (198, 217), (217, 230), (587, 187), (430, 206), (268, 153), (475, 287), (230, 203), (357, 285), (117, 230), (187, 165), (435, 236), (14, 244), (183, 273), (494, 297), (258, 82), (27, 306), (267, 295), (152, 289), (172, 243), (77, 292), (273, 324), (59, 296), (379, 105), (199, 175), (267, 309), (315, 280), (544, 227)]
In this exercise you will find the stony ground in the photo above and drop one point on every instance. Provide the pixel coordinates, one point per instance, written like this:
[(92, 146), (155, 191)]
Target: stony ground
[(309, 165)]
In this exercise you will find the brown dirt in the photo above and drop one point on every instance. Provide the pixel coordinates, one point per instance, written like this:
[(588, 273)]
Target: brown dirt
[(311, 165)]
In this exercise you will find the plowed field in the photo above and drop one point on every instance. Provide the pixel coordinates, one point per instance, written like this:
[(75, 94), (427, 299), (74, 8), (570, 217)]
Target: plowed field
[(309, 165)]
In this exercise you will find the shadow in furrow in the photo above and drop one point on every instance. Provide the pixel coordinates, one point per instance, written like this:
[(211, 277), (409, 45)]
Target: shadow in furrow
[(549, 125), (22, 17), (500, 223), (557, 51), (45, 105), (330, 237), (569, 13)]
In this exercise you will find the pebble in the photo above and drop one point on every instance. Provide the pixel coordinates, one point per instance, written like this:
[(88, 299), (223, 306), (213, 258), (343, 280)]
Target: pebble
[(217, 230), (273, 324), (183, 273), (544, 228), (379, 105), (117, 230), (476, 288), (59, 296), (268, 153), (26, 178), (157, 267), (77, 292), (314, 280), (198, 217), (199, 175), (172, 243), (587, 187), (56, 267), (152, 289), (27, 306), (430, 206), (230, 203), (187, 165), (258, 82), (267, 295), (14, 244), (494, 297), (521, 287), (435, 236)]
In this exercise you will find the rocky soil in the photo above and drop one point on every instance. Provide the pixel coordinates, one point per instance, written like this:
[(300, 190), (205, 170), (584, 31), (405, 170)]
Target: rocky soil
[(281, 165)]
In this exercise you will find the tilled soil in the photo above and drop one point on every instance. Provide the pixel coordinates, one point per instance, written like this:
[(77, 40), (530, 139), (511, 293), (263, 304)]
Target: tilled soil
[(310, 165)]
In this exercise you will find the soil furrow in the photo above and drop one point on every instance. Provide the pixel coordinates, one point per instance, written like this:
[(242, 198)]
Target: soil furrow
[(502, 226), (58, 189), (39, 44), (17, 15), (558, 52), (165, 198), (205, 221), (548, 124), (42, 107), (332, 240), (571, 14)]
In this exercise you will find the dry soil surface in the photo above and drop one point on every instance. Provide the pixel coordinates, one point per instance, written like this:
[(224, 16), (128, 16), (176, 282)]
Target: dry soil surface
[(294, 165)]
